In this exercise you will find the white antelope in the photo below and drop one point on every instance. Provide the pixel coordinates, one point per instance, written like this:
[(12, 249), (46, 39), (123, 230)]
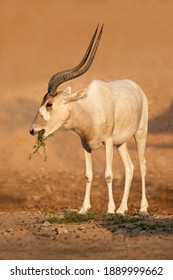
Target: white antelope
[(102, 114)]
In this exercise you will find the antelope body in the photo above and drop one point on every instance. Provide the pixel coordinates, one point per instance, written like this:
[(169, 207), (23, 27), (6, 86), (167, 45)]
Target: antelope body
[(102, 114)]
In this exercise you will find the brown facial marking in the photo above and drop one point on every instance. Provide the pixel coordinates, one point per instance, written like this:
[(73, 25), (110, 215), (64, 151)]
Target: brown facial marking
[(46, 97), (39, 120)]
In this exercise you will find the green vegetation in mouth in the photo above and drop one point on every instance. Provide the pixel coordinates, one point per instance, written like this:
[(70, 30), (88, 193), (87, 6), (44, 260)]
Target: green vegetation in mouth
[(40, 143)]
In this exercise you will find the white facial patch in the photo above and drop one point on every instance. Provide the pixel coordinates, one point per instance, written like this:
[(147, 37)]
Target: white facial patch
[(44, 113)]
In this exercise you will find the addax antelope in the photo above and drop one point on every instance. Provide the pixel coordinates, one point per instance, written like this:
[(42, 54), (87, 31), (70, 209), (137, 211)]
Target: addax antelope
[(104, 113)]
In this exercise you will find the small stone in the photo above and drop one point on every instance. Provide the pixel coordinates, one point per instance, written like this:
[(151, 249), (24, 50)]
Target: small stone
[(62, 231), (36, 197), (81, 228), (45, 224), (8, 230)]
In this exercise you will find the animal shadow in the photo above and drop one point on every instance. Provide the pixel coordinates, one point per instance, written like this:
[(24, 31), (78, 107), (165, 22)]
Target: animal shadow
[(162, 123), (139, 225)]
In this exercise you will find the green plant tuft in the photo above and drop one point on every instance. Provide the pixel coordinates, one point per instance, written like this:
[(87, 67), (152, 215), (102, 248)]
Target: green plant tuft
[(40, 143), (73, 217)]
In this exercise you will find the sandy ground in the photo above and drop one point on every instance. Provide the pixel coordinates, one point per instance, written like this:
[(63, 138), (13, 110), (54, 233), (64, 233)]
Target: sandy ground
[(39, 39)]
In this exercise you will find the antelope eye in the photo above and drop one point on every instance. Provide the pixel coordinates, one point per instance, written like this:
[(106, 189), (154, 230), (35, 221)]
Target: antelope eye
[(49, 104)]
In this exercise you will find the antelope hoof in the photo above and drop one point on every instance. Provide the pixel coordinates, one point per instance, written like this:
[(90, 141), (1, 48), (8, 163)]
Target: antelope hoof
[(110, 212), (121, 210), (83, 210), (144, 206), (111, 209)]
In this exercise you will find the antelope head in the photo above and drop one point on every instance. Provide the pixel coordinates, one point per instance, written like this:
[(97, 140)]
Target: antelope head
[(54, 109)]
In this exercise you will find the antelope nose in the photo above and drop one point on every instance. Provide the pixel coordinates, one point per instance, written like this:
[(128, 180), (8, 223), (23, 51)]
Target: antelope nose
[(32, 131)]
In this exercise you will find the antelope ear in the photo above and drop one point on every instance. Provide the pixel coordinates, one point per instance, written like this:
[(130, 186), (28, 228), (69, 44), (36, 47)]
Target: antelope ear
[(76, 95)]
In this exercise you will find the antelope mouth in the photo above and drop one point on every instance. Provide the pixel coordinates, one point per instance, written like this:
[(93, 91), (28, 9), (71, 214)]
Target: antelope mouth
[(34, 132)]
